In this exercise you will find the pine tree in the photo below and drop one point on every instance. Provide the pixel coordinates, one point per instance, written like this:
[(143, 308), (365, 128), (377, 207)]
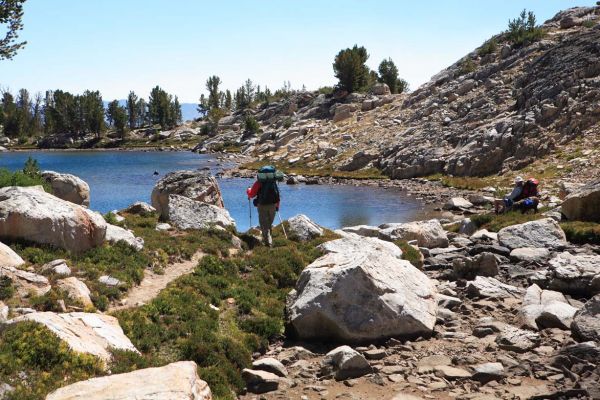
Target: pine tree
[(11, 15), (212, 85), (350, 69), (132, 110), (228, 100)]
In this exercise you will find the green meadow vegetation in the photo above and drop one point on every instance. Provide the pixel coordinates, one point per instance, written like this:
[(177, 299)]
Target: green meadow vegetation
[(230, 307)]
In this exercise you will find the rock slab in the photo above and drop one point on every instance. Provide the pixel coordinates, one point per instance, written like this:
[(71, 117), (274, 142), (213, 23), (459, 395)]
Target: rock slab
[(176, 381), (33, 215), (87, 333)]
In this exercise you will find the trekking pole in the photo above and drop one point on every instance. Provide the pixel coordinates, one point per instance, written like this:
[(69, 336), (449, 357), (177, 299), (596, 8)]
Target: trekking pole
[(281, 223), (250, 212)]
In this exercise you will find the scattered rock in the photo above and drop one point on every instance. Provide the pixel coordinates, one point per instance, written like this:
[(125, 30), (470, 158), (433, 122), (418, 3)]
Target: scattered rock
[(345, 363), (484, 234), (258, 381), (163, 226), (483, 264), (303, 228), (467, 227), (458, 203), (530, 254), (429, 234), (68, 187), (76, 289), (586, 323), (490, 287), (545, 309), (574, 274), (26, 282), (176, 381), (448, 372), (59, 267), (487, 372), (140, 208), (517, 340), (541, 233), (272, 365), (109, 281), (8, 258), (33, 215), (115, 234)]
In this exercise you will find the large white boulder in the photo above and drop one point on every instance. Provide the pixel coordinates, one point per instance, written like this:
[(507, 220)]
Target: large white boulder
[(359, 293), (355, 244), (116, 234), (87, 333), (545, 309), (575, 274), (584, 203), (541, 233), (68, 187), (196, 185), (33, 215), (8, 258), (176, 381), (26, 282), (428, 234), (185, 213), (303, 228)]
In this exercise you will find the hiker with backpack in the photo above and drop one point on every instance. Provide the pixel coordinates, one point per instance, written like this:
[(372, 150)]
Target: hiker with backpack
[(266, 199), (523, 197), (529, 198)]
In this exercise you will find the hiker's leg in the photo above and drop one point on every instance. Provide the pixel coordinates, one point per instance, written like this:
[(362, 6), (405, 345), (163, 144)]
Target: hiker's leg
[(271, 214), (264, 222)]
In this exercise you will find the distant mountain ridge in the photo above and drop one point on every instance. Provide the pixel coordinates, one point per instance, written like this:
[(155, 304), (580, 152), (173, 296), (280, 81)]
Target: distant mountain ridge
[(188, 110)]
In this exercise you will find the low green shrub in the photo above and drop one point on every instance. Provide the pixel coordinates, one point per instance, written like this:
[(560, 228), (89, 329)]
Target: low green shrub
[(48, 361), (524, 29), (7, 290), (489, 47), (409, 253), (494, 223), (249, 289)]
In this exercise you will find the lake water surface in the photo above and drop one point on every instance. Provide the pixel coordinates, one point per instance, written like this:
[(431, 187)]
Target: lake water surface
[(119, 178)]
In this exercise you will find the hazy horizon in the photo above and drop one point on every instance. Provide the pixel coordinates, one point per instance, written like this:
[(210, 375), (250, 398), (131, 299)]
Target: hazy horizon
[(115, 46)]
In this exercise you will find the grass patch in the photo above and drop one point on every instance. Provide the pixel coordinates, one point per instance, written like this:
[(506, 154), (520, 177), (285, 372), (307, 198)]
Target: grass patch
[(47, 360), (301, 168), (582, 232), (494, 223), (409, 253), (249, 290), (465, 182)]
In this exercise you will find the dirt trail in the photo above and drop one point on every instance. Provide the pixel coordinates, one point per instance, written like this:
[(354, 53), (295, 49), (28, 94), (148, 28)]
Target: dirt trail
[(153, 283)]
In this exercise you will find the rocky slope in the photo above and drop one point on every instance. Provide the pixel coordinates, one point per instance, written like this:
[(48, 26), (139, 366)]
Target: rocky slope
[(493, 111)]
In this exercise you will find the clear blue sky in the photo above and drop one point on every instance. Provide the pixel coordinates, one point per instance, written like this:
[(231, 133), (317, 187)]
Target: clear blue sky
[(120, 45)]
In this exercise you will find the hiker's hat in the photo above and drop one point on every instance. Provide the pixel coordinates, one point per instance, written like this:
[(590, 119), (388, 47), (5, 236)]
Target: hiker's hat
[(519, 179)]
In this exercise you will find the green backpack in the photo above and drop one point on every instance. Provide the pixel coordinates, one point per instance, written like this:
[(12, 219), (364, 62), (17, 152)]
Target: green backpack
[(269, 191)]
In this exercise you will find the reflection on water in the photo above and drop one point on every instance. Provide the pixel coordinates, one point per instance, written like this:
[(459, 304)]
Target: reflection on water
[(119, 178)]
